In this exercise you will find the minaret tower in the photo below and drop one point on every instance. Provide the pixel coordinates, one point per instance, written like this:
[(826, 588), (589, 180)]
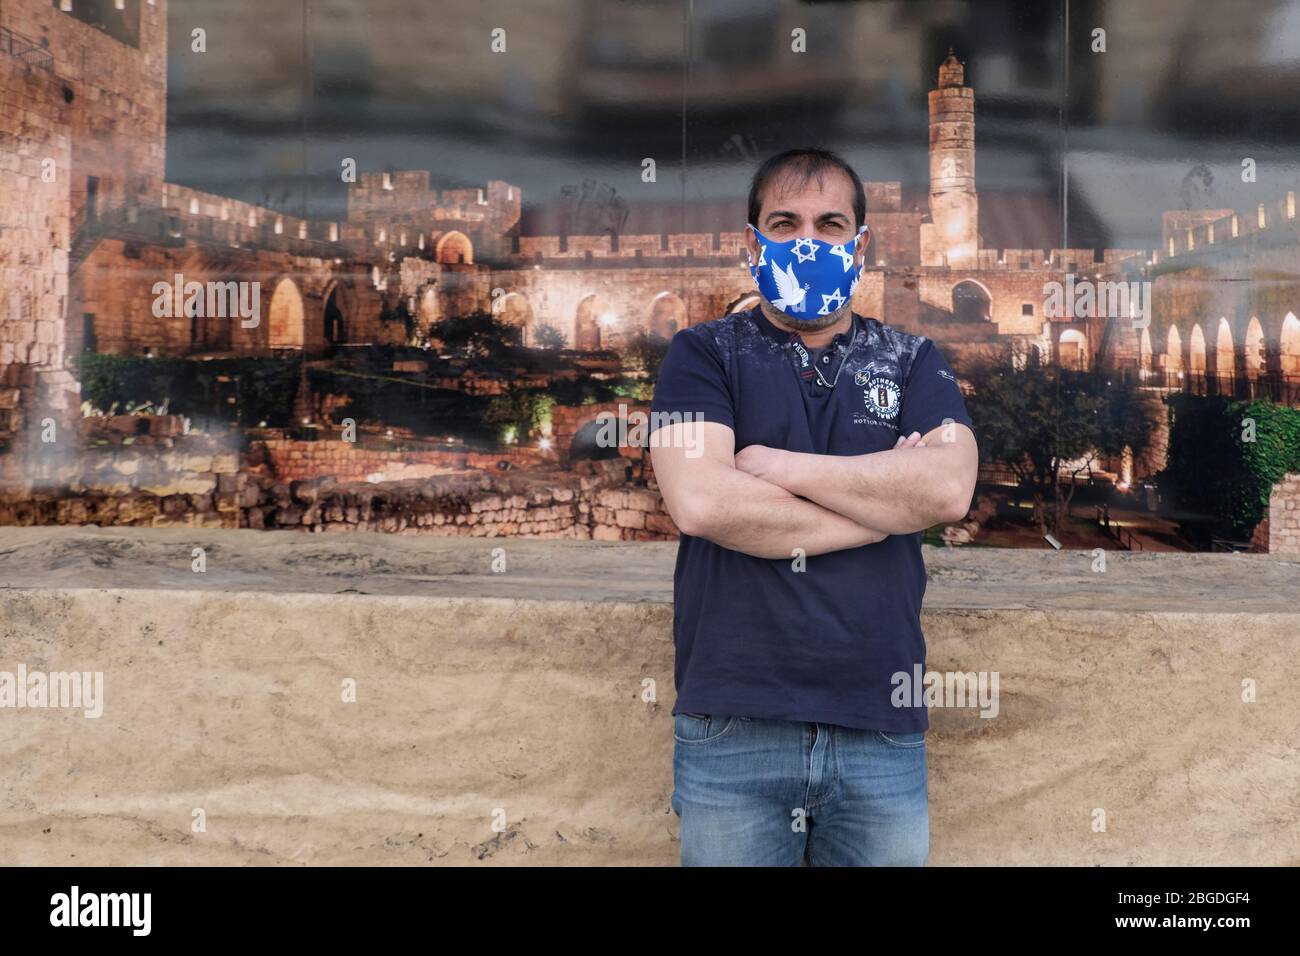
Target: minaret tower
[(951, 237)]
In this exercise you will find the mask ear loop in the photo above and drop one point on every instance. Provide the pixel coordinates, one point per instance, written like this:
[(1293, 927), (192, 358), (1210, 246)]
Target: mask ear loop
[(758, 237), (862, 268)]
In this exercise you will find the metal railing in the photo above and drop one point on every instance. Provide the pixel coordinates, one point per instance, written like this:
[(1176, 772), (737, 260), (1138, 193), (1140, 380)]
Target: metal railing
[(1227, 545), (27, 50), (1123, 537), (1274, 386)]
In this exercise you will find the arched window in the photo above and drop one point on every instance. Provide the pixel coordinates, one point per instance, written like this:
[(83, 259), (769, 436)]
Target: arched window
[(971, 302)]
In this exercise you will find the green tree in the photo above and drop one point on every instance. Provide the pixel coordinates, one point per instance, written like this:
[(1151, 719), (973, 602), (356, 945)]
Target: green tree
[(548, 337), (1049, 424), (478, 334), (645, 352)]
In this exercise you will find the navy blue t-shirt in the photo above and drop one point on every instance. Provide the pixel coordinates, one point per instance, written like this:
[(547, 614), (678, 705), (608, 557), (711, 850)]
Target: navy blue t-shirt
[(754, 637)]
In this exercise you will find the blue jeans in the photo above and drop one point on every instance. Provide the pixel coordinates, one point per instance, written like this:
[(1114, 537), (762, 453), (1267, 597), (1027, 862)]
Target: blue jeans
[(756, 792)]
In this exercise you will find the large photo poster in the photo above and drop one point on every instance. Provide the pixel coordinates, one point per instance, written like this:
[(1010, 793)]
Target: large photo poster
[(503, 383)]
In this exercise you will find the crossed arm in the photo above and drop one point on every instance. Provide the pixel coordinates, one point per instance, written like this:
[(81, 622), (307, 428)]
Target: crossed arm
[(767, 501)]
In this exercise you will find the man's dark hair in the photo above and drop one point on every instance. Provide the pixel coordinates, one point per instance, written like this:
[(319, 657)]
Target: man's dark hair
[(804, 164)]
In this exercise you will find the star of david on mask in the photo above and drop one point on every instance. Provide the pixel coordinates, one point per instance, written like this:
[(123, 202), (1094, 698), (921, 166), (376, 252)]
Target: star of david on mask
[(805, 277)]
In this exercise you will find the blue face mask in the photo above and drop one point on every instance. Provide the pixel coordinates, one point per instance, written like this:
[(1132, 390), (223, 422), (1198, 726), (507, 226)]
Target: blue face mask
[(805, 277)]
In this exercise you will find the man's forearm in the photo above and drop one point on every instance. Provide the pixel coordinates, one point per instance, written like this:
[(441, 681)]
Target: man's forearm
[(899, 491), (756, 517)]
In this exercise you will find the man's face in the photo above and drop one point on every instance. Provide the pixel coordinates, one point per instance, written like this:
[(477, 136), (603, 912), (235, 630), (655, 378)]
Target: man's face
[(821, 208)]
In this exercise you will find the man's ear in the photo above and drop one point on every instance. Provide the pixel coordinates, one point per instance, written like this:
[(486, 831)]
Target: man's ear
[(864, 241)]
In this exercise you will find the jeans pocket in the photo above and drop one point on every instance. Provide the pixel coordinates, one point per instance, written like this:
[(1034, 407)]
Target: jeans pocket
[(904, 741), (701, 728)]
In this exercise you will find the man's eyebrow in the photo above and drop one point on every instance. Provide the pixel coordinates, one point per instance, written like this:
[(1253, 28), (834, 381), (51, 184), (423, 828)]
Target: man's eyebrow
[(824, 217)]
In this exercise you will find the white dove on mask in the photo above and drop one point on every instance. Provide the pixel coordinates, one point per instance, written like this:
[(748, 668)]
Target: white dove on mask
[(830, 278)]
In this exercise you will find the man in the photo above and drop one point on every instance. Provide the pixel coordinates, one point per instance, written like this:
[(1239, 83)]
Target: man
[(802, 450)]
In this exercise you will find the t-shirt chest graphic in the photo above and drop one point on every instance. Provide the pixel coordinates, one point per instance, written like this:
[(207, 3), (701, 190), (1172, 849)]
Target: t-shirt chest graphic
[(852, 407)]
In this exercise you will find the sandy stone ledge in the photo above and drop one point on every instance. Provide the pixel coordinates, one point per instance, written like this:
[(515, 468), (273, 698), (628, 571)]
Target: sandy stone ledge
[(524, 691)]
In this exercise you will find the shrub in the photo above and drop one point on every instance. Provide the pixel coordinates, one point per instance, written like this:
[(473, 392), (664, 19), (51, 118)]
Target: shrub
[(263, 388), (1213, 469), (548, 337), (520, 413)]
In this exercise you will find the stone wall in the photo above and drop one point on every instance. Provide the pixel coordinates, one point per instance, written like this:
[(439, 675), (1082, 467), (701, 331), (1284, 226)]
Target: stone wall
[(115, 287), (145, 471), (1244, 281), (117, 96), (1279, 532), (290, 460), (35, 162), (593, 501), (1009, 291), (150, 476), (631, 514)]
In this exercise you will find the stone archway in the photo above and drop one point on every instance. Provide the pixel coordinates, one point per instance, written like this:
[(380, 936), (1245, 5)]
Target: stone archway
[(337, 313), (1072, 350), (214, 315), (1224, 350), (285, 319), (1289, 345), (1196, 351), (971, 302), (1254, 349), (429, 310), (452, 248), (592, 322), (1174, 351), (667, 315), (514, 310)]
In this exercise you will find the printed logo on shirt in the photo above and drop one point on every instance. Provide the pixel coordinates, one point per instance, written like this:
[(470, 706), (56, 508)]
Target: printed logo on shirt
[(880, 395), (803, 354), (948, 375)]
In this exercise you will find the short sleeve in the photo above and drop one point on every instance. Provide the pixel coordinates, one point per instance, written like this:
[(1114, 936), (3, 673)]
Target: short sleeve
[(692, 381), (931, 395)]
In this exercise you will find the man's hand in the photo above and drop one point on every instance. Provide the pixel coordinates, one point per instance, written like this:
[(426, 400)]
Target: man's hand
[(709, 497), (767, 463), (761, 462), (922, 481)]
